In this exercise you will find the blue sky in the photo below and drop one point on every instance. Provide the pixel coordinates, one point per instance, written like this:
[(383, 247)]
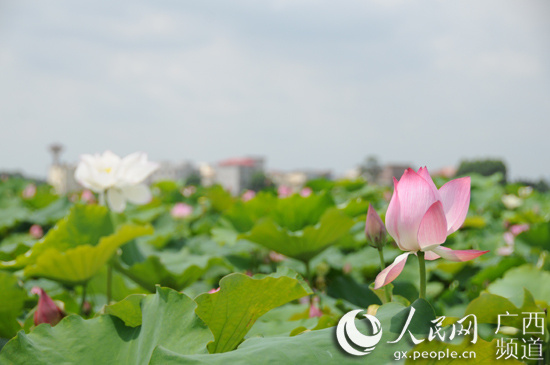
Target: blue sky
[(307, 84)]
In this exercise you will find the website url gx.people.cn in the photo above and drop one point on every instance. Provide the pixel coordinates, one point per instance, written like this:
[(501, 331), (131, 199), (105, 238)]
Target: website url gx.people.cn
[(439, 355)]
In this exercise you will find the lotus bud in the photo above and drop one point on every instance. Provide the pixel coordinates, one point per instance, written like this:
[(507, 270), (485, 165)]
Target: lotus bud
[(305, 192), (181, 210), (36, 231), (247, 195), (375, 229), (47, 311)]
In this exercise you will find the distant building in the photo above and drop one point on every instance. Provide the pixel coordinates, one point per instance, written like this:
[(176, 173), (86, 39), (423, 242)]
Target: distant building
[(173, 171), (391, 171), (236, 174), (297, 179), (61, 175)]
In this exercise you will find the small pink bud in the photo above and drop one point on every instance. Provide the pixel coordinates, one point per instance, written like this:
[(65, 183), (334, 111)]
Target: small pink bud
[(347, 268), (375, 229), (87, 196), (36, 231), (314, 311), (181, 210), (305, 192), (284, 191), (212, 291), (29, 191), (519, 228), (247, 195), (47, 311)]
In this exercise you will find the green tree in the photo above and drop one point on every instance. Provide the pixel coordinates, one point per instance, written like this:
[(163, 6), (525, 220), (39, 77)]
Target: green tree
[(486, 167)]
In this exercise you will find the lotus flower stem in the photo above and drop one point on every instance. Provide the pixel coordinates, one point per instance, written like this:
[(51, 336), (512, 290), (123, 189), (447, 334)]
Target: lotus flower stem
[(382, 267), (84, 286), (422, 265), (109, 282)]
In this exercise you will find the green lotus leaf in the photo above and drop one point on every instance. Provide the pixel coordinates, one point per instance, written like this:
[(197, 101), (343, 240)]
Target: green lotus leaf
[(178, 276), (168, 319), (515, 280), (84, 225), (12, 300), (487, 308), (78, 265), (128, 309), (303, 245), (316, 347), (231, 312)]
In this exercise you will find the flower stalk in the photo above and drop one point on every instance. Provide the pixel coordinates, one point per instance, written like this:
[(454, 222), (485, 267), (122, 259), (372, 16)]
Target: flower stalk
[(422, 266)]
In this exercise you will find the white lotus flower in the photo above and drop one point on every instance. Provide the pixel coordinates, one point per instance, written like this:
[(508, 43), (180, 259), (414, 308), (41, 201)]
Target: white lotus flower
[(120, 180)]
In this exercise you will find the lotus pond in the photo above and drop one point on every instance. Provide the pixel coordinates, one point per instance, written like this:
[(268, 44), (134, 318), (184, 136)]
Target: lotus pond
[(200, 276)]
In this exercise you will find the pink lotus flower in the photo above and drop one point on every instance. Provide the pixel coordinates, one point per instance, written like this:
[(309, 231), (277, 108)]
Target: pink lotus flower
[(181, 210), (420, 217), (213, 290), (47, 311), (314, 311), (29, 191), (247, 195), (283, 191), (305, 192), (87, 196), (36, 231)]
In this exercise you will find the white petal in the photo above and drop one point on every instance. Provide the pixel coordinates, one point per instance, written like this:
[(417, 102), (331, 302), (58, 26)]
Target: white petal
[(116, 200), (135, 168), (137, 194)]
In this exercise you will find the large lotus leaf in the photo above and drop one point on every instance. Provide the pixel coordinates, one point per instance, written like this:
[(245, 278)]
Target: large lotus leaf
[(154, 271), (303, 245), (78, 265), (84, 225), (12, 300), (515, 280), (482, 352), (241, 300), (487, 308), (317, 347), (12, 211), (51, 213), (168, 319), (296, 212), (243, 215)]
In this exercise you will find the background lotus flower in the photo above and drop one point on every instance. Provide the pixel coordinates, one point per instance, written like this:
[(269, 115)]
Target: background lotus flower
[(305, 192), (247, 195), (47, 311), (181, 210), (283, 191), (29, 191), (420, 217), (36, 231), (120, 179)]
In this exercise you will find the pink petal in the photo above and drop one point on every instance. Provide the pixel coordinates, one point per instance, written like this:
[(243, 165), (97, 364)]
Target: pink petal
[(457, 255), (455, 196), (389, 274), (392, 214), (423, 172), (433, 228), (415, 197), (430, 256)]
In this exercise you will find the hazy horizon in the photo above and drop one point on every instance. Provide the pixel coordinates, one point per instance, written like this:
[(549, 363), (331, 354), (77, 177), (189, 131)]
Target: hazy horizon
[(304, 84)]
